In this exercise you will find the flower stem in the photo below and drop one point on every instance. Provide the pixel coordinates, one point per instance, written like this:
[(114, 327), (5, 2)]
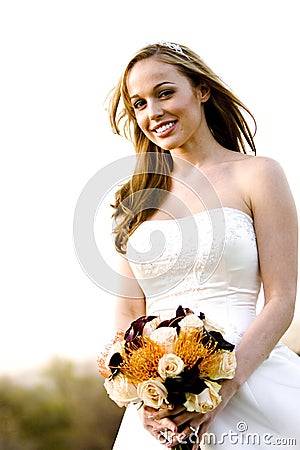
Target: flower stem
[(188, 446)]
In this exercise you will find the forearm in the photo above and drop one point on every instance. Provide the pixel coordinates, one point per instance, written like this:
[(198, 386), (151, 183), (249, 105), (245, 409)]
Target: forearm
[(132, 305), (126, 311), (261, 337)]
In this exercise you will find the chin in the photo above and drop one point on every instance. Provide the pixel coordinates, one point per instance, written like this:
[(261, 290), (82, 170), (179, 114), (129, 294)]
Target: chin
[(168, 147)]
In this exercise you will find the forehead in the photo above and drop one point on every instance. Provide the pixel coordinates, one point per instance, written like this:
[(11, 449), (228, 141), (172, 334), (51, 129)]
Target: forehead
[(148, 73)]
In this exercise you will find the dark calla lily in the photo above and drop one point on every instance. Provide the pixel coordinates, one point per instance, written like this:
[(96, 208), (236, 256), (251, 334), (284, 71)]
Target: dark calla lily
[(173, 322), (182, 312), (114, 364), (170, 323), (136, 329), (176, 390), (188, 381), (222, 344), (192, 381)]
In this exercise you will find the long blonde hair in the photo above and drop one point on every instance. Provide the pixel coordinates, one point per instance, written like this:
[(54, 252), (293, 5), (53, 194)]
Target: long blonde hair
[(138, 199)]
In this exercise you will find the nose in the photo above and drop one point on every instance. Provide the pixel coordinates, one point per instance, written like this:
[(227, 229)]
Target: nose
[(155, 110)]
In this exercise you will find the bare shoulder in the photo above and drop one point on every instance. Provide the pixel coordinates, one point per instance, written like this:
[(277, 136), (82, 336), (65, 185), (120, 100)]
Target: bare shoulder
[(260, 174), (258, 164), (266, 186), (248, 166)]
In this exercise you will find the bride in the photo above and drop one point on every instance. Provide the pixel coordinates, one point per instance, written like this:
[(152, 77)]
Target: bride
[(229, 225)]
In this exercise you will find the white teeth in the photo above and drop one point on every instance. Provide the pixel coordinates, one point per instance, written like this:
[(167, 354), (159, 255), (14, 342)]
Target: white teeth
[(164, 127)]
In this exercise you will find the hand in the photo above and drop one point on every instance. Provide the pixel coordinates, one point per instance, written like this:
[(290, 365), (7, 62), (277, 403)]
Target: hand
[(178, 426), (162, 428), (164, 424), (191, 426)]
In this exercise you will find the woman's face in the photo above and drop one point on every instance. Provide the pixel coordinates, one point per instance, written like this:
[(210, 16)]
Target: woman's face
[(167, 107)]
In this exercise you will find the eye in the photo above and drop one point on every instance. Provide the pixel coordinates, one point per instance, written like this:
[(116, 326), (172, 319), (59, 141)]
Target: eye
[(165, 93), (139, 104)]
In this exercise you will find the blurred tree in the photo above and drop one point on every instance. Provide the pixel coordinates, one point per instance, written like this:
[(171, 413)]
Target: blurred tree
[(67, 409)]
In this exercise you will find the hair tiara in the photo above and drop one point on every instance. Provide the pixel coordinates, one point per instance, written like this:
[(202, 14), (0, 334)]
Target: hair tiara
[(174, 47)]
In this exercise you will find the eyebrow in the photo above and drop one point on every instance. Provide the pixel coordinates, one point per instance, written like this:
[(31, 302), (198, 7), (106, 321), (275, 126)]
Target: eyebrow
[(155, 87)]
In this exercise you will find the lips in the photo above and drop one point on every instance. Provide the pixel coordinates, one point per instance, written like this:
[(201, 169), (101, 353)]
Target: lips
[(162, 128)]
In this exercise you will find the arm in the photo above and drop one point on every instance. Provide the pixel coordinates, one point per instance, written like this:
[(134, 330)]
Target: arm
[(275, 222), (131, 304), (128, 308)]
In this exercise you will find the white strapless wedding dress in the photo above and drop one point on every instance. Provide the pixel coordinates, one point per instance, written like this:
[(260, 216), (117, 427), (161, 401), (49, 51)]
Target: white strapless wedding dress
[(208, 262)]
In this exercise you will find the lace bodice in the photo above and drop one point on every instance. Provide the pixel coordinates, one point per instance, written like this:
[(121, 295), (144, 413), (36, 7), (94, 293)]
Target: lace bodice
[(207, 262)]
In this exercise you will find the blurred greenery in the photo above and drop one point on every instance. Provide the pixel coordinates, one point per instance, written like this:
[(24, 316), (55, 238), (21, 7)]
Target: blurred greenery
[(65, 408)]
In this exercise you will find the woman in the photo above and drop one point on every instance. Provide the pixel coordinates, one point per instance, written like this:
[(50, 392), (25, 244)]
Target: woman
[(195, 183)]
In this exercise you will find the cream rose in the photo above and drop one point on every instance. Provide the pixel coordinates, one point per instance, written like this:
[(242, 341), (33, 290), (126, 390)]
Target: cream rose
[(223, 365), (165, 337), (212, 326), (152, 392), (121, 391), (206, 401), (151, 326), (190, 321), (170, 365)]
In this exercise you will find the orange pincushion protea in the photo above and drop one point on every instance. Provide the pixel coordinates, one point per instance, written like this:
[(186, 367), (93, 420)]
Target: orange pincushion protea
[(190, 348), (140, 363)]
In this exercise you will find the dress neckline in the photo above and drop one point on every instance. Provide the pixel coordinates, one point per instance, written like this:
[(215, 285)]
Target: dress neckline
[(199, 213)]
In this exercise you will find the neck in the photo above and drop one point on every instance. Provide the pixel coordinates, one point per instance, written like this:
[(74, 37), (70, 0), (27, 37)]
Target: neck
[(199, 154), (201, 149)]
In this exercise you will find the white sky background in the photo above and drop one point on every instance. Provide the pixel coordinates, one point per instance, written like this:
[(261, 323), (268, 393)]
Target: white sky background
[(59, 60)]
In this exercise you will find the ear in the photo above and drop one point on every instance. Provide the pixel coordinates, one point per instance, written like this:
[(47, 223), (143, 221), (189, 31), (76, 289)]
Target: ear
[(203, 92)]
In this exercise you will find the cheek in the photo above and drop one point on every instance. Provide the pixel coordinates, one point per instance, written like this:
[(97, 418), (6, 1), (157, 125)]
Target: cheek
[(141, 121), (187, 106), (142, 124)]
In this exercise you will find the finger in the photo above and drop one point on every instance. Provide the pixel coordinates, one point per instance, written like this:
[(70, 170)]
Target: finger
[(204, 429), (165, 437), (149, 423), (167, 423), (183, 418), (191, 435), (149, 408), (166, 412), (205, 426), (183, 438), (195, 439), (149, 412)]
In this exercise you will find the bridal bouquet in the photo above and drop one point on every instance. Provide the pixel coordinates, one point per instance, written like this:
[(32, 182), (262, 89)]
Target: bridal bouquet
[(160, 362)]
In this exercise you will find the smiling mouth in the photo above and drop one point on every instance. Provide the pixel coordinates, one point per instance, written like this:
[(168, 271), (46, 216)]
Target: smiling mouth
[(164, 127)]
